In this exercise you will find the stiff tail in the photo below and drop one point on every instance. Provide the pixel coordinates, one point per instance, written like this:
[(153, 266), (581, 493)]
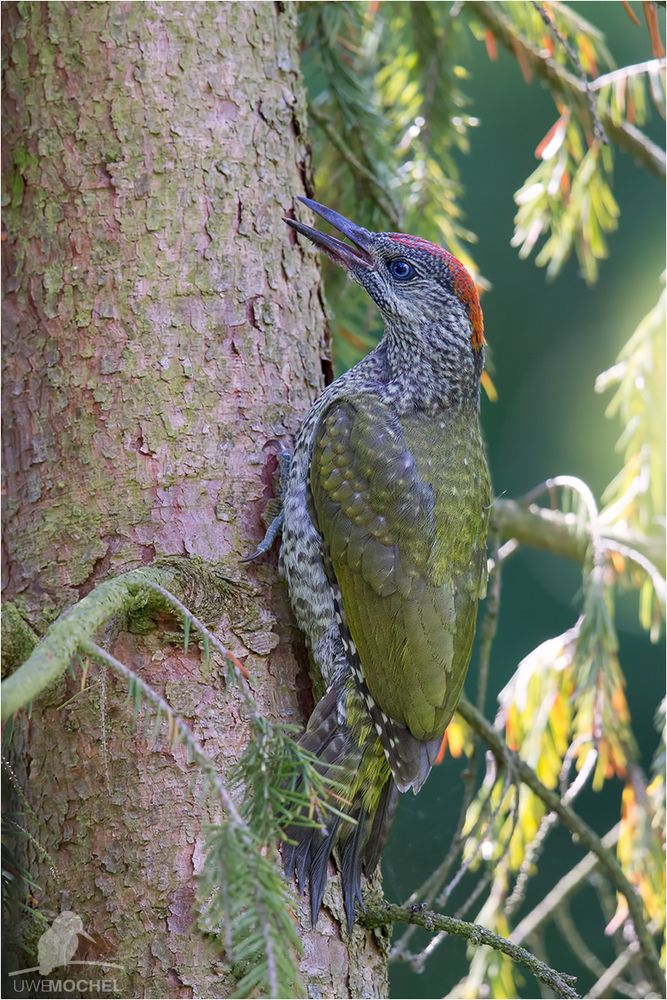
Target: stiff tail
[(343, 738)]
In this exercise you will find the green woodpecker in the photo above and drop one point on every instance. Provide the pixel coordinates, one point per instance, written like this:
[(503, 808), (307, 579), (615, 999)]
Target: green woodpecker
[(385, 516)]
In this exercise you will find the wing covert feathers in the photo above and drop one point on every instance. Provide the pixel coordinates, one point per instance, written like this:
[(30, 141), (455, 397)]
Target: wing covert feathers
[(402, 506)]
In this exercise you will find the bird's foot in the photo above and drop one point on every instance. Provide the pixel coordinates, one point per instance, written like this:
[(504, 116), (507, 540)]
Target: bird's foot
[(276, 526), (272, 533)]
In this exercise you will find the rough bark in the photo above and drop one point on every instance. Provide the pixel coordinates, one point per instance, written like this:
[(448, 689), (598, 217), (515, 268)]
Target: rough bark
[(163, 335)]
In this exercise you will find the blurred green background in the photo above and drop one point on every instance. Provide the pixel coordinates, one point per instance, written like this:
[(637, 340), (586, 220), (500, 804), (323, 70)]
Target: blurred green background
[(549, 341)]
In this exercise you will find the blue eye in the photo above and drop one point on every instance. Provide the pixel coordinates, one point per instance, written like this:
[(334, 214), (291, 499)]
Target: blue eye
[(401, 269)]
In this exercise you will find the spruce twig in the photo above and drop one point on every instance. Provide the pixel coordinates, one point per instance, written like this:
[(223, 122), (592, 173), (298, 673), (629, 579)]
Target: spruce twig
[(568, 86), (562, 891), (549, 21), (625, 72), (52, 655), (379, 916), (378, 192), (581, 831), (257, 928), (175, 724), (548, 822), (553, 531)]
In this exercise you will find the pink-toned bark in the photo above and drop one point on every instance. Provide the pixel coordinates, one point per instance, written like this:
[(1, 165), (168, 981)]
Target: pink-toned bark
[(163, 335)]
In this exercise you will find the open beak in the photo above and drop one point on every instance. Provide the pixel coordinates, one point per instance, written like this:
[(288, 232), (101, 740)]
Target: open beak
[(341, 253)]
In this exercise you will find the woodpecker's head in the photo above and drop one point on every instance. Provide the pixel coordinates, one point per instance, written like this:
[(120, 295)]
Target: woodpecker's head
[(416, 285)]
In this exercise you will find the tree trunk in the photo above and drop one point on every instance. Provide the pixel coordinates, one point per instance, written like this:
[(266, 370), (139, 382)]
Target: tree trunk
[(163, 336)]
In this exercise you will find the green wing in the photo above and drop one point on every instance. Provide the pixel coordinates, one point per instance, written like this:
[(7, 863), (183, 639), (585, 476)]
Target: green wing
[(402, 506)]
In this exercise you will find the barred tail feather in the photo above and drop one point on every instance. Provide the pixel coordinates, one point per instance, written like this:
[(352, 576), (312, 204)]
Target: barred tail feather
[(349, 750), (307, 849), (382, 822), (320, 852), (350, 865)]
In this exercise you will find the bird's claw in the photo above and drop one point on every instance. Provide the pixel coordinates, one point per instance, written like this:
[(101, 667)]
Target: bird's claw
[(284, 459), (272, 533)]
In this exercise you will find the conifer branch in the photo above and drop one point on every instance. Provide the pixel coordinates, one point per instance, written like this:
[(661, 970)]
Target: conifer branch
[(549, 820), (554, 531), (625, 72), (610, 977), (52, 656), (562, 890), (390, 913), (377, 191), (624, 134), (580, 830), (248, 906), (551, 25), (244, 898)]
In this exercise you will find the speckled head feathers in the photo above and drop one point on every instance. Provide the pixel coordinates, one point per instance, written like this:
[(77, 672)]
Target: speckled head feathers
[(462, 283), (427, 298)]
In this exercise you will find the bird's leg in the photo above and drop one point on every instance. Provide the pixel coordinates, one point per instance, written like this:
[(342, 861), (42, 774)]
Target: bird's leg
[(272, 532), (276, 526)]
